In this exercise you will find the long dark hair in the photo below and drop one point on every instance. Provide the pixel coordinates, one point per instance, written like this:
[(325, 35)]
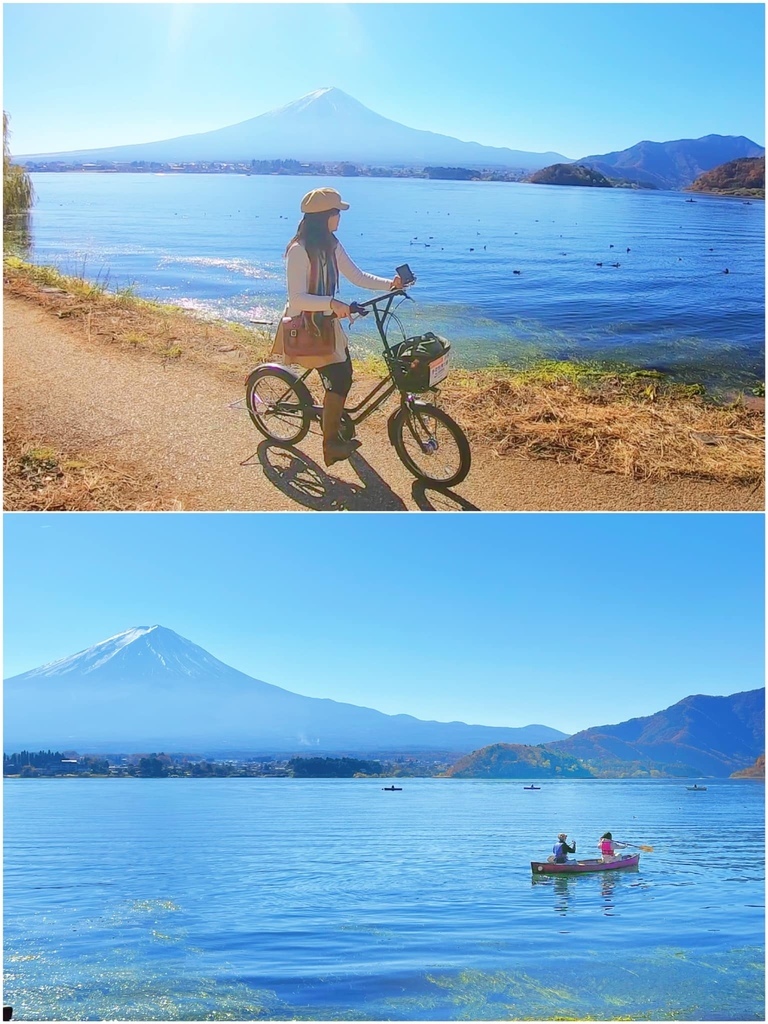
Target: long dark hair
[(314, 235)]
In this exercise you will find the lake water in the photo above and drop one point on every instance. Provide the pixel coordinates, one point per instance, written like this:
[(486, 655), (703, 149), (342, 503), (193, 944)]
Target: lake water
[(234, 899), (214, 244)]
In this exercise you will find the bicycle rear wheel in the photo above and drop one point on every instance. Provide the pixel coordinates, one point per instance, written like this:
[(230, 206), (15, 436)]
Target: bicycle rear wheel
[(431, 445), (278, 403)]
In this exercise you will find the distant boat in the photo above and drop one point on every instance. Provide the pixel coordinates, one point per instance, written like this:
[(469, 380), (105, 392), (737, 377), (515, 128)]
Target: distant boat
[(392, 789), (690, 200), (531, 787), (583, 867), (696, 789)]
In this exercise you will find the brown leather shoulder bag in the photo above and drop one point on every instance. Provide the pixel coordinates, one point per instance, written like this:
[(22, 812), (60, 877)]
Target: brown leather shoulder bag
[(302, 336)]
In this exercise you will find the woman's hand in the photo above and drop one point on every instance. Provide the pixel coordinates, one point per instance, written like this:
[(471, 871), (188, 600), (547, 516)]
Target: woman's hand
[(396, 283), (341, 309)]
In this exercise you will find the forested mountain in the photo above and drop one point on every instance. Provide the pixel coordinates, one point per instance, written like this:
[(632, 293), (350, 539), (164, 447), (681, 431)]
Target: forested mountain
[(699, 735), (673, 165), (709, 735)]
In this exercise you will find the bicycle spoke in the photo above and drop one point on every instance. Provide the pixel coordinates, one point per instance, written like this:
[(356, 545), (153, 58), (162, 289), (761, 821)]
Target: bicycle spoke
[(277, 407), (431, 445)]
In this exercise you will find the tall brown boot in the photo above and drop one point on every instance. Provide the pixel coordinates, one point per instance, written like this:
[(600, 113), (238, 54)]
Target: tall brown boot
[(334, 449)]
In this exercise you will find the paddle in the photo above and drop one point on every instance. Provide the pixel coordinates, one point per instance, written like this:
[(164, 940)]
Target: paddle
[(639, 846)]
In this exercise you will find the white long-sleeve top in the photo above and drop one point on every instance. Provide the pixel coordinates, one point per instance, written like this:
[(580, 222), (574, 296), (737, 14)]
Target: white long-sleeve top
[(300, 299), (297, 271)]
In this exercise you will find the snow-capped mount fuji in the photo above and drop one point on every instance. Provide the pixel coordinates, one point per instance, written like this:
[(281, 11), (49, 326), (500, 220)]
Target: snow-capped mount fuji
[(326, 125), (152, 652), (150, 689)]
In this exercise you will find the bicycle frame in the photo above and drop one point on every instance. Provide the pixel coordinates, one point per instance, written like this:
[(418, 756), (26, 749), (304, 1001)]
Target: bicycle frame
[(425, 422), (363, 409), (354, 413)]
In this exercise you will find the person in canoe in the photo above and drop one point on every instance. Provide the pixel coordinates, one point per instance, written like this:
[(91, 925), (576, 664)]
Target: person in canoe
[(561, 849), (608, 847)]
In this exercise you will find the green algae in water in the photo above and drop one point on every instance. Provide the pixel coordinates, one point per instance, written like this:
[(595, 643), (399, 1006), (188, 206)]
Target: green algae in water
[(663, 983), (597, 990), (133, 992)]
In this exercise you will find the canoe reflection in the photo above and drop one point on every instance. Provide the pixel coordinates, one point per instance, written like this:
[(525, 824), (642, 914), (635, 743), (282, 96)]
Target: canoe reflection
[(573, 891)]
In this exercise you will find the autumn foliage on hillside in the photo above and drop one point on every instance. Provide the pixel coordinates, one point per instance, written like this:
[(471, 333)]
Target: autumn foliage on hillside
[(738, 177), (755, 771)]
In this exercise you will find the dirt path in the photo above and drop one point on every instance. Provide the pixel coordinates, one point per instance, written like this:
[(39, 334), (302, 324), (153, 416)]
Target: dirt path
[(177, 419)]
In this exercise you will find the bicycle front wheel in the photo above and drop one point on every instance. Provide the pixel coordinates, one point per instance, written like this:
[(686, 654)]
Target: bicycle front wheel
[(278, 403), (431, 445)]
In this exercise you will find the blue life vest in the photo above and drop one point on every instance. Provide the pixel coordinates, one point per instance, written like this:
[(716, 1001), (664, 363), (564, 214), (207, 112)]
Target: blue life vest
[(559, 852)]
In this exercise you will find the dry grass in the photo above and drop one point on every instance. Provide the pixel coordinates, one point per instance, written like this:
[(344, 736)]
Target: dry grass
[(124, 320), (38, 477), (632, 424), (626, 422)]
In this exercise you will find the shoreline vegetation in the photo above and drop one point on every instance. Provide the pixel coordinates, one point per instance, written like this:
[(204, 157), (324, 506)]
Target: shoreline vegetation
[(557, 174), (18, 194), (294, 168), (70, 764), (734, 184), (290, 168), (610, 419)]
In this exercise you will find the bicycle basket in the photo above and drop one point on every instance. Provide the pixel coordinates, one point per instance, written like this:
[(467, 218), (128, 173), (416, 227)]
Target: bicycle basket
[(417, 364)]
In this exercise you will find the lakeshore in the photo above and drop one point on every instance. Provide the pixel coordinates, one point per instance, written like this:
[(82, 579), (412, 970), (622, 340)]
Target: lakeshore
[(632, 438), (512, 274)]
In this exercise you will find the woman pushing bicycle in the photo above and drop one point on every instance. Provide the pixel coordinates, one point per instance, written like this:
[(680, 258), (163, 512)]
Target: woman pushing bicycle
[(314, 260), (428, 442)]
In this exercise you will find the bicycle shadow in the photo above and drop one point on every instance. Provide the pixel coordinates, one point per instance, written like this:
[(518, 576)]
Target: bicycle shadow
[(305, 482), (430, 498)]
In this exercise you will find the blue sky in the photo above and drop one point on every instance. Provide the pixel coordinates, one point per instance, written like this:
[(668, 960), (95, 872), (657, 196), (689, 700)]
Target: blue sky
[(579, 79), (566, 620)]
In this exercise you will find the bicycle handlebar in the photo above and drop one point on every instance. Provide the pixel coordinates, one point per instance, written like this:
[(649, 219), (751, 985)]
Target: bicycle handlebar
[(357, 307)]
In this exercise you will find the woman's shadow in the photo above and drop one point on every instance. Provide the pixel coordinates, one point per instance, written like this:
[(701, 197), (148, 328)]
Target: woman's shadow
[(305, 482)]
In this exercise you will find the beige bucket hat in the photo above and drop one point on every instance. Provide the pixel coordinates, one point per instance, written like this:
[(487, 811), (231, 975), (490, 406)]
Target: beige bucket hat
[(320, 200)]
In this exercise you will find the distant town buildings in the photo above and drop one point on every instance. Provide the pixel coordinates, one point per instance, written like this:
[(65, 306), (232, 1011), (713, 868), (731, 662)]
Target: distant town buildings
[(51, 764), (284, 167)]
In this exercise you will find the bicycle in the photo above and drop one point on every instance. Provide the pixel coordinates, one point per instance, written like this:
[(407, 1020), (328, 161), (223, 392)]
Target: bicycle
[(428, 442)]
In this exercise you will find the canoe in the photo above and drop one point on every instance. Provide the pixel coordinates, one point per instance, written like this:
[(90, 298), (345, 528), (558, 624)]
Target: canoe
[(531, 787), (392, 789), (696, 789), (583, 867)]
